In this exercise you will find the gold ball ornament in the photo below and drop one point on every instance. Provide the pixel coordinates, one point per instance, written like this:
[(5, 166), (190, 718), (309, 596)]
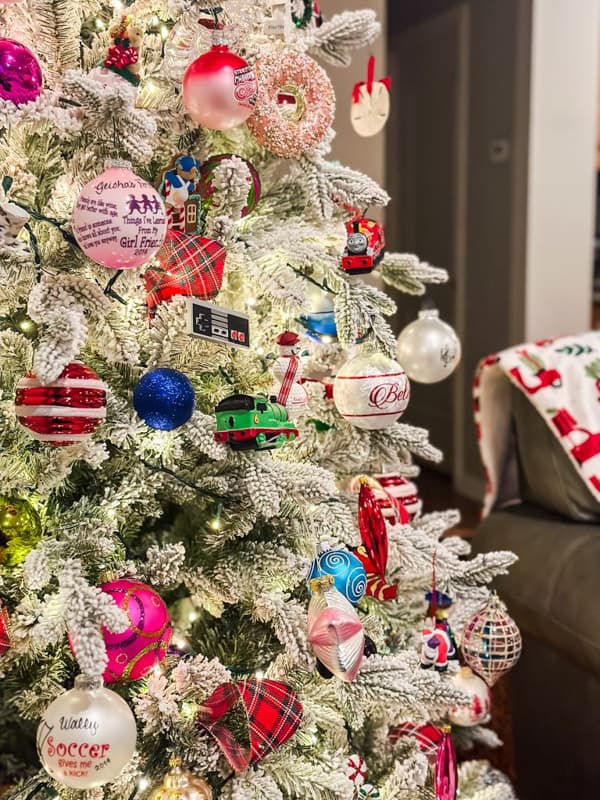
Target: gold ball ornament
[(20, 529), (179, 784)]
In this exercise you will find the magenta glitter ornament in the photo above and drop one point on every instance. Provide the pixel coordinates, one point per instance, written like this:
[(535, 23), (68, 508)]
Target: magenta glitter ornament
[(219, 89), (20, 73), (119, 220), (133, 653)]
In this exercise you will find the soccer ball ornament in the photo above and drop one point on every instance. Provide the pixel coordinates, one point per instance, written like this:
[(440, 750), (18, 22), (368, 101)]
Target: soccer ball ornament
[(133, 653), (349, 575), (164, 399), (178, 784), (219, 89), (20, 529), (20, 73), (477, 710), (428, 348), (371, 391), (86, 736), (492, 642), (63, 412), (119, 220)]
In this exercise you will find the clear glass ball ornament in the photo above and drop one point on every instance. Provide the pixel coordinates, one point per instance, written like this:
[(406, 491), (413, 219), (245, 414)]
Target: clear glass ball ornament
[(428, 348)]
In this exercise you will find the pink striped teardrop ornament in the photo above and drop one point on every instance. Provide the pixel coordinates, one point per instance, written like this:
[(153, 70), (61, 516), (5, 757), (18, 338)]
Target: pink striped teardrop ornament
[(63, 412)]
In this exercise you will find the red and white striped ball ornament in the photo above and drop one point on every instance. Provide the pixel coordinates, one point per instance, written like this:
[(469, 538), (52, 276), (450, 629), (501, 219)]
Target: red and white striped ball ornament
[(63, 412), (371, 391), (397, 491)]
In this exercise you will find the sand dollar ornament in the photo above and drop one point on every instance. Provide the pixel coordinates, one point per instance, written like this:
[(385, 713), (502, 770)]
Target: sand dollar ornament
[(371, 391), (119, 219), (370, 103), (295, 103), (86, 736), (20, 529)]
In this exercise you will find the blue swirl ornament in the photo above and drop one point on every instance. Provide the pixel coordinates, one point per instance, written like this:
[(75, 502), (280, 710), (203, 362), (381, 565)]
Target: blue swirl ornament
[(349, 575), (164, 399)]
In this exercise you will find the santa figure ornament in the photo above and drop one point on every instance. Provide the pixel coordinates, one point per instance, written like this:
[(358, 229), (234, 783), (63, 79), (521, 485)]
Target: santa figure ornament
[(287, 370), (370, 103)]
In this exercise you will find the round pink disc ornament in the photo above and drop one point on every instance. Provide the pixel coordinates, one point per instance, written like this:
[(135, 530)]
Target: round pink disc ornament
[(133, 653), (119, 219), (219, 89), (20, 73)]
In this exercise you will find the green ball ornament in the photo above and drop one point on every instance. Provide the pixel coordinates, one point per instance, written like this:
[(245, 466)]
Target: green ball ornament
[(20, 529)]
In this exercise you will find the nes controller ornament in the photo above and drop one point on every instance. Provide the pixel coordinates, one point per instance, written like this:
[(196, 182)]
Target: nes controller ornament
[(217, 324)]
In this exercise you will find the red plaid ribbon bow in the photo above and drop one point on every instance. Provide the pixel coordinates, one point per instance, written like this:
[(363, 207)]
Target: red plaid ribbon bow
[(120, 56), (192, 266), (251, 719)]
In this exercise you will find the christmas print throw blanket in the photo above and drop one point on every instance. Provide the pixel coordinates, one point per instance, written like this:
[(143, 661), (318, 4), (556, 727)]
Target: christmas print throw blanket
[(561, 379)]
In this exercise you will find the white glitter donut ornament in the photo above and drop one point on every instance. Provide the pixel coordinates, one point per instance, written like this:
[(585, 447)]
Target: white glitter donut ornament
[(295, 104)]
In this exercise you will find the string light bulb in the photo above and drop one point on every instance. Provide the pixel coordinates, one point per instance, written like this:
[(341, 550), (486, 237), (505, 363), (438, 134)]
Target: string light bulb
[(143, 783)]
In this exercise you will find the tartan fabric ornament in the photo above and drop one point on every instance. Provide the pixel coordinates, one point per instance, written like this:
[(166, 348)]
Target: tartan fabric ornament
[(250, 719), (191, 266)]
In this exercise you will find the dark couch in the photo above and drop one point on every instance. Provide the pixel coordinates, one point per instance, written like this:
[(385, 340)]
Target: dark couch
[(553, 593)]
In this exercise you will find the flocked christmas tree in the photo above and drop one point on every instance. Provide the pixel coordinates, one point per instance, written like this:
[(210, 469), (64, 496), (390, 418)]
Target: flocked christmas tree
[(175, 241)]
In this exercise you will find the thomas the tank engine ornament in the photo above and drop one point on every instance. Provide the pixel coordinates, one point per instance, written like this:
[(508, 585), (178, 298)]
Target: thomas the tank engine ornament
[(365, 246), (253, 423)]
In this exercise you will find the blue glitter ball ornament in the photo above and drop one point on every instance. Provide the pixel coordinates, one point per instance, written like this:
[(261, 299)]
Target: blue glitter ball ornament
[(349, 575), (164, 399)]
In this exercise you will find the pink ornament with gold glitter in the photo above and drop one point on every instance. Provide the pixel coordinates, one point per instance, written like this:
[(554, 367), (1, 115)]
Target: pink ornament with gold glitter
[(119, 219), (133, 653), (295, 104)]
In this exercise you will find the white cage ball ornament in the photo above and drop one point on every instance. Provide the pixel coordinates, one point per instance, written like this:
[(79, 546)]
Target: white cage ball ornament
[(492, 641)]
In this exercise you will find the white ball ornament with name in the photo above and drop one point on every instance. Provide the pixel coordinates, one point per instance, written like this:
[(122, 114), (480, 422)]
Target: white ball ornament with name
[(477, 711), (428, 348), (119, 219), (371, 391), (86, 736)]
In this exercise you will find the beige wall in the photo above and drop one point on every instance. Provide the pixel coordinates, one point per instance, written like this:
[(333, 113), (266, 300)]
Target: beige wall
[(366, 155), (562, 168)]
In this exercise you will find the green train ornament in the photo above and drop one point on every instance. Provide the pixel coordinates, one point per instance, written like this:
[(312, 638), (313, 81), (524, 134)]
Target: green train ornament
[(253, 423)]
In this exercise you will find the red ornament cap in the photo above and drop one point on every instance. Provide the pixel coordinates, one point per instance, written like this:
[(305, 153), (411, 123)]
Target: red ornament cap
[(287, 339)]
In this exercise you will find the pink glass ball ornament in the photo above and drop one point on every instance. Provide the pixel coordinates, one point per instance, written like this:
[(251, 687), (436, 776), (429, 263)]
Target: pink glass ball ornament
[(133, 653), (20, 73), (86, 736), (219, 89), (119, 219)]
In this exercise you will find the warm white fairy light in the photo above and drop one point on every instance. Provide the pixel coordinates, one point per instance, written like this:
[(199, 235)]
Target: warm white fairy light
[(259, 675), (143, 783), (192, 616)]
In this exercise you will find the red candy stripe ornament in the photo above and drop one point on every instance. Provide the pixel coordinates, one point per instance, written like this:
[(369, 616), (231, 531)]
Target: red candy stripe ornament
[(63, 412)]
